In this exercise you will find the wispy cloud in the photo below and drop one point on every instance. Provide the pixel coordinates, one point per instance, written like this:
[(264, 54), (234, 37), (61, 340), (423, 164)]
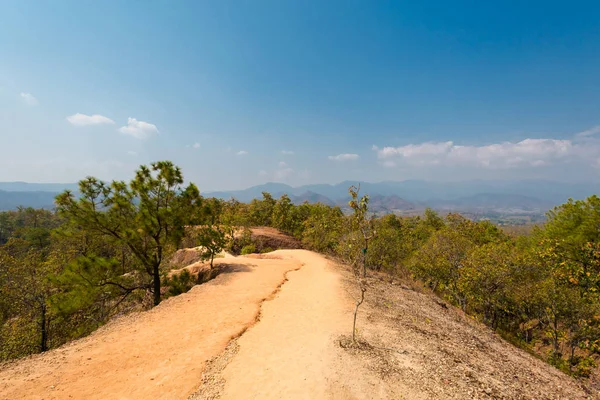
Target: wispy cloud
[(196, 145), (287, 152), (132, 153), (139, 129), (589, 132), (283, 173), (528, 152), (241, 153), (29, 99), (84, 120), (344, 157), (282, 164)]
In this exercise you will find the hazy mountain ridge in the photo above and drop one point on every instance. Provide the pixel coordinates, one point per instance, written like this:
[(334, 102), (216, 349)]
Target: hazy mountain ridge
[(545, 192), (37, 187), (388, 196), (35, 199)]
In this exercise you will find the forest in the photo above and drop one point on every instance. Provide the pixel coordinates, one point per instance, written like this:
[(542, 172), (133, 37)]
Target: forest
[(106, 252)]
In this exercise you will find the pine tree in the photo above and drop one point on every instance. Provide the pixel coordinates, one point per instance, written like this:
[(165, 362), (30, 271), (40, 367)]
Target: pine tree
[(148, 215)]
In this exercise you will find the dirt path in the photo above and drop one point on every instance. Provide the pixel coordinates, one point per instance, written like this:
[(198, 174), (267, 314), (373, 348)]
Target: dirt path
[(158, 354), (291, 352)]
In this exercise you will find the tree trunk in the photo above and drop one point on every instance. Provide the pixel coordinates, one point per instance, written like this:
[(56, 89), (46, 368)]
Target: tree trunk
[(43, 327), (358, 303), (365, 258), (572, 357), (156, 277), (212, 257)]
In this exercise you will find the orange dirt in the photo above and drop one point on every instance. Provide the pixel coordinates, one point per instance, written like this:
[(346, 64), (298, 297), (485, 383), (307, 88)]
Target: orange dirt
[(159, 354), (266, 237), (301, 324)]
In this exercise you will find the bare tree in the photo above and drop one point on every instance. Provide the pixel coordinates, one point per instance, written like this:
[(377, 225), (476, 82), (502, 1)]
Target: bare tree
[(362, 225)]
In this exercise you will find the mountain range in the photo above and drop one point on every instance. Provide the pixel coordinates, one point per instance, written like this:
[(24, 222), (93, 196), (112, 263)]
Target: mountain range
[(388, 196), (535, 195)]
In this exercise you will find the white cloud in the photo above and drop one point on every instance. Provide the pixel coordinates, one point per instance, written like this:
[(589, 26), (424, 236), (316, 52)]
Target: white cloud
[(139, 129), (344, 157), (83, 120), (196, 145), (29, 99), (287, 152), (283, 173), (241, 153), (589, 132), (262, 173), (282, 164), (528, 152), (132, 153)]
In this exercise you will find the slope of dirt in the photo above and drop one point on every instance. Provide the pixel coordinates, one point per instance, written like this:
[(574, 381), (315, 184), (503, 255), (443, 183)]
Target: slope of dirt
[(159, 354), (265, 237), (184, 257), (437, 352)]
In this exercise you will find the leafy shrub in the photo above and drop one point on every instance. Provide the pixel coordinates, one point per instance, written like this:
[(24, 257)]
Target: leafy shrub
[(248, 249), (179, 283)]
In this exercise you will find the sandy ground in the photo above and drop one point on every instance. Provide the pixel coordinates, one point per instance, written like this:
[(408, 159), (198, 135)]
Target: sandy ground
[(291, 352), (159, 354), (276, 327)]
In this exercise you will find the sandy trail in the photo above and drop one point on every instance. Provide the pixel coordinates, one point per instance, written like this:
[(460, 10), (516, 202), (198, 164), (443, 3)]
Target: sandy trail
[(290, 353), (158, 354)]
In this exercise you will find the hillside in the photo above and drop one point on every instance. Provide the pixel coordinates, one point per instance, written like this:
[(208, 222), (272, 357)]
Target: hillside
[(275, 326)]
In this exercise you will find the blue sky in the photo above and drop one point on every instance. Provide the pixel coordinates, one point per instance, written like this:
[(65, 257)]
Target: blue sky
[(243, 92)]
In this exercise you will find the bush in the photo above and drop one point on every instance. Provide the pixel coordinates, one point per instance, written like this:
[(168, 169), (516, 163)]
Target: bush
[(248, 249), (266, 250), (178, 283), (236, 245)]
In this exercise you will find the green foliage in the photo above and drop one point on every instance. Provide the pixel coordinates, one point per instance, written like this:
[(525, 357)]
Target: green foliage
[(439, 260), (148, 216), (249, 249), (214, 235), (261, 211), (322, 227), (433, 220), (392, 245), (487, 279), (239, 241), (178, 283)]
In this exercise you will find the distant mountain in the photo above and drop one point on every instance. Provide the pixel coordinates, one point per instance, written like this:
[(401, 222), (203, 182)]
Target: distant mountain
[(255, 192), (12, 200), (391, 203), (493, 201), (311, 197), (409, 195), (552, 193), (37, 187), (533, 196)]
